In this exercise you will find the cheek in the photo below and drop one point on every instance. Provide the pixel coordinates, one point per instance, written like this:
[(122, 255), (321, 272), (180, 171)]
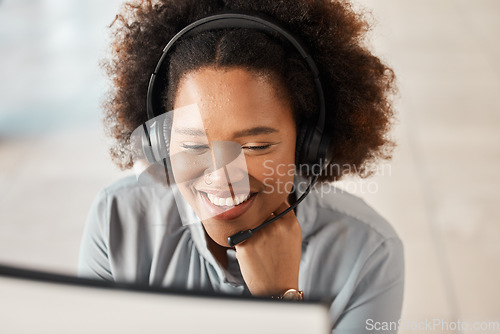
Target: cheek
[(276, 173), (278, 179)]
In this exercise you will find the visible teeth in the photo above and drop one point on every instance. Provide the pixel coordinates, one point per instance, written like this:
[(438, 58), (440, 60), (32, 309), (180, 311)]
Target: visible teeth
[(228, 201)]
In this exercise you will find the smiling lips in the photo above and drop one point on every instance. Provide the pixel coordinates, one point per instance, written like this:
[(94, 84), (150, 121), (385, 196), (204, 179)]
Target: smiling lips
[(228, 201), (225, 207)]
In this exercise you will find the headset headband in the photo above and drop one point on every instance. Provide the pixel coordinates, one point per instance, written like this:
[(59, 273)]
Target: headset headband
[(317, 141)]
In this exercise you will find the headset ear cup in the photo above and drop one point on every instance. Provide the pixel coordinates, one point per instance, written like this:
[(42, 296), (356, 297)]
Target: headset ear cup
[(154, 146), (147, 145), (156, 150), (146, 148), (159, 144), (299, 146), (165, 138)]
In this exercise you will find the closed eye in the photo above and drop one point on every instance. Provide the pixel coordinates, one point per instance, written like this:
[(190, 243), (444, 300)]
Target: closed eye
[(200, 148), (256, 148), (194, 148)]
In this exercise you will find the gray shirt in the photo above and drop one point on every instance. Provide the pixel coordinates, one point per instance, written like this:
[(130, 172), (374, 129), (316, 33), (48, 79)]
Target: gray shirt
[(351, 256)]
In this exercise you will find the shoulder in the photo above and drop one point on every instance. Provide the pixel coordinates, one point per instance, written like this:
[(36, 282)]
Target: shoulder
[(354, 209), (131, 190), (129, 202), (122, 184), (328, 205), (344, 232), (122, 226), (347, 242)]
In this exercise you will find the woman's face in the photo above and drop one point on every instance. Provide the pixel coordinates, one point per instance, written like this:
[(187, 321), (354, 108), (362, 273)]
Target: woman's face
[(243, 107)]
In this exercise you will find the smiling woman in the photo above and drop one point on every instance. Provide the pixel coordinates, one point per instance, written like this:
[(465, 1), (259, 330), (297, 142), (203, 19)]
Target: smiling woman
[(232, 113)]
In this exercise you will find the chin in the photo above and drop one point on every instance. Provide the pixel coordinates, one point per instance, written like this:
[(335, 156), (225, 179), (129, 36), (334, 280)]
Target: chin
[(222, 222), (219, 233)]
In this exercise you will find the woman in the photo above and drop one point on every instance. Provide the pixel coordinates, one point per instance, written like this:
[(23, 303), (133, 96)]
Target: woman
[(251, 87)]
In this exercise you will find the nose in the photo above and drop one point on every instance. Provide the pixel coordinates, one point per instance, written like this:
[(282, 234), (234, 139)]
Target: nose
[(225, 153), (222, 177), (229, 165)]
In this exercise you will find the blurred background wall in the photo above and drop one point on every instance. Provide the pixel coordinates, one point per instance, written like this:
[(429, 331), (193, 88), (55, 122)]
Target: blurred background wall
[(439, 191), (53, 154)]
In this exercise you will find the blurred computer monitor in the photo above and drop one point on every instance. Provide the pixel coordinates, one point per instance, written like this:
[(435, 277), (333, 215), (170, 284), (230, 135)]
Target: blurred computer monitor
[(38, 302)]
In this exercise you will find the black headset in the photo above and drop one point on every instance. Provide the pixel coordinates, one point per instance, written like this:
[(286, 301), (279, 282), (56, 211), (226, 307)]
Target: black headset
[(312, 139)]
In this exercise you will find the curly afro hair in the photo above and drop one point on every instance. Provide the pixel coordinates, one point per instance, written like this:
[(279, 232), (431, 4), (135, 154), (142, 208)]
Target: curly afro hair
[(357, 85)]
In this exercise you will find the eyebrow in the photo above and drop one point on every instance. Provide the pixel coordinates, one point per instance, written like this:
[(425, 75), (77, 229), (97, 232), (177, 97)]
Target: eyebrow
[(259, 130), (190, 131)]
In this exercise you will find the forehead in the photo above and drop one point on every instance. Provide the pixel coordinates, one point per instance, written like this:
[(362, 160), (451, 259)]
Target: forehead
[(229, 100)]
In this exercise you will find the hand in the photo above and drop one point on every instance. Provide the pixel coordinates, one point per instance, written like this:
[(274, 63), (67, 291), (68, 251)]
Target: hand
[(270, 259)]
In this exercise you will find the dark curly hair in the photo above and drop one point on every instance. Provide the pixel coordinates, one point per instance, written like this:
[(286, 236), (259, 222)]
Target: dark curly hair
[(357, 85)]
